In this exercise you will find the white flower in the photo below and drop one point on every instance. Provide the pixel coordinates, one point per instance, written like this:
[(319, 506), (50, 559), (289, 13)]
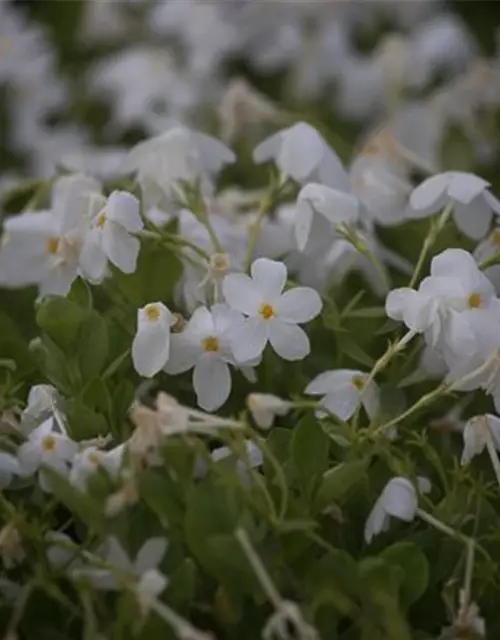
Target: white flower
[(253, 459), (151, 345), (272, 315), (179, 154), (337, 207), (449, 304), (44, 247), (487, 249), (148, 558), (264, 407), (475, 435), (301, 153), (9, 466), (382, 186), (150, 585), (205, 344), (90, 460), (40, 405), (473, 204), (398, 500), (113, 221), (344, 390), (46, 447), (60, 553)]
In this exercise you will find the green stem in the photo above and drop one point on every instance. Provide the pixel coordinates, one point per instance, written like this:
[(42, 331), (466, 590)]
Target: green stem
[(254, 232), (436, 227)]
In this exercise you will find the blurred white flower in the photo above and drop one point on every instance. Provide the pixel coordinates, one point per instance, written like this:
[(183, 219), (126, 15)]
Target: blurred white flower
[(272, 315), (88, 461), (9, 467), (337, 207), (301, 153), (46, 447), (344, 390), (264, 407), (473, 204), (475, 435), (179, 154), (398, 500)]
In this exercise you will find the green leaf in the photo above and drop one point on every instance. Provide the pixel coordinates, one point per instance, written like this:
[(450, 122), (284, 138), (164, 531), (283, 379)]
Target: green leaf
[(158, 270), (333, 581), (182, 584), (13, 346), (309, 449), (96, 396), (350, 348), (338, 481), (78, 502), (83, 422), (413, 562), (92, 346), (368, 312), (163, 497), (61, 319)]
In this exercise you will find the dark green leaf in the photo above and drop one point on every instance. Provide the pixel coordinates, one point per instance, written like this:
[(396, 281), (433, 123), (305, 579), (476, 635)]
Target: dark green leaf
[(338, 481), (92, 346), (413, 562), (309, 452), (61, 319)]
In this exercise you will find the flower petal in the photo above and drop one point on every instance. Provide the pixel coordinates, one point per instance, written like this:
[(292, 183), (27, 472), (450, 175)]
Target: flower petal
[(464, 187), (269, 277), (150, 554), (150, 349), (123, 208), (93, 260), (400, 499), (473, 219), (241, 293), (331, 380), (299, 305), (185, 350), (302, 224), (212, 382), (249, 340), (429, 196), (288, 340), (342, 402), (121, 248)]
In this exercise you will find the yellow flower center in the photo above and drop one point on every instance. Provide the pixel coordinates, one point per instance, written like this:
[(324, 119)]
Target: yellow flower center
[(52, 245), (358, 382), (211, 344), (495, 237), (101, 220), (474, 301), (267, 311), (93, 458), (49, 444), (152, 313)]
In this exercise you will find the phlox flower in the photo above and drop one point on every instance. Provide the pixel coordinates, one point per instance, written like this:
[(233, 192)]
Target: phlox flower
[(90, 460), (473, 204), (151, 344), (147, 559), (343, 390), (272, 316), (113, 221), (336, 206), (399, 500), (43, 247), (264, 407), (302, 153), (179, 154), (475, 435), (46, 447), (205, 345), (9, 467), (487, 249), (449, 304)]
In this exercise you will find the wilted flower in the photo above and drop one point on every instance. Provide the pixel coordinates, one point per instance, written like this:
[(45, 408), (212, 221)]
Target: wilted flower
[(264, 407)]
